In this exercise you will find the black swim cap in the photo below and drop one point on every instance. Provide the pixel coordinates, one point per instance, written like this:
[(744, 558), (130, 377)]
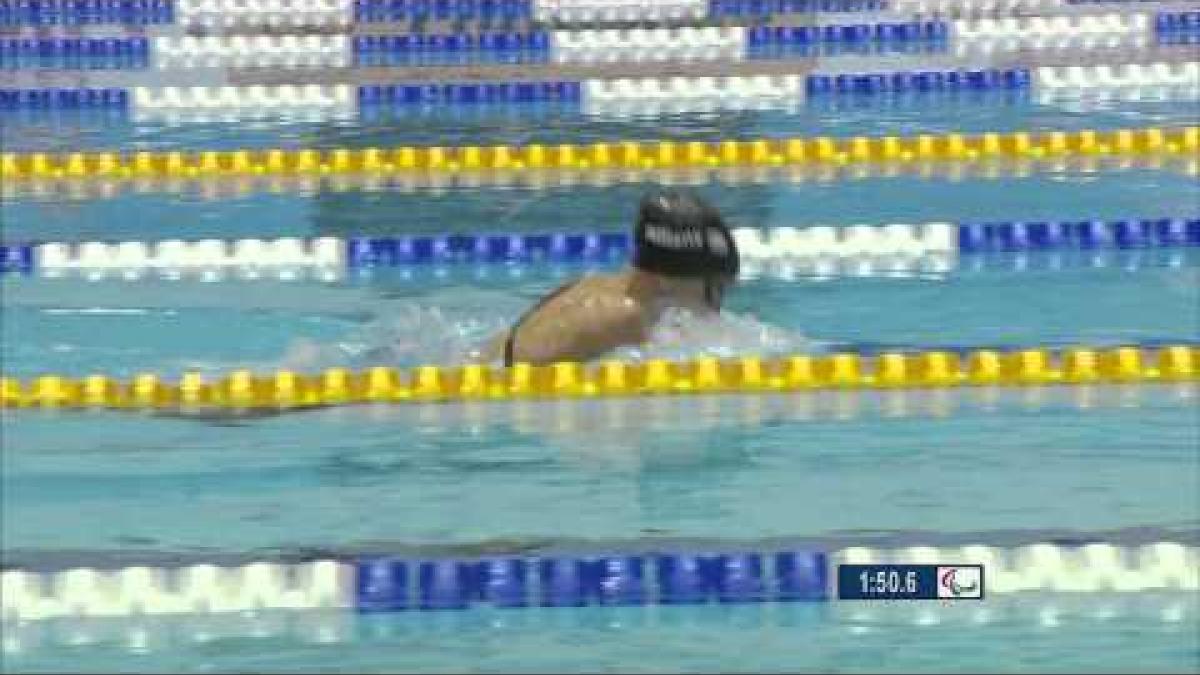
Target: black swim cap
[(678, 234)]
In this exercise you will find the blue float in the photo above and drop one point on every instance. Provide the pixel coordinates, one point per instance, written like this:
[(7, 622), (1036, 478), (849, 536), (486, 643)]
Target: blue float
[(740, 578), (801, 575), (17, 258), (502, 582), (380, 585), (561, 582), (686, 578), (447, 584), (617, 580)]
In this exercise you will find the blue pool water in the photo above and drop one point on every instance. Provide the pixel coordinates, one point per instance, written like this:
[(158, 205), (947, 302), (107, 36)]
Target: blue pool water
[(98, 487)]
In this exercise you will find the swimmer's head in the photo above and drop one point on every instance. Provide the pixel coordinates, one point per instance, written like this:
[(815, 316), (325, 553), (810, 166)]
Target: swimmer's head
[(678, 235)]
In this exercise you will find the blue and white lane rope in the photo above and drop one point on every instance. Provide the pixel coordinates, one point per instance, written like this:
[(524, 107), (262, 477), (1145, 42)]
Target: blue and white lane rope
[(616, 96), (294, 51), (786, 270), (1017, 7), (230, 13), (343, 13), (964, 38), (317, 13), (336, 255), (662, 11), (983, 37), (393, 584)]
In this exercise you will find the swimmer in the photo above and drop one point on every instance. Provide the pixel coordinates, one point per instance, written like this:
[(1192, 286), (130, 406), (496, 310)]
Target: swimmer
[(684, 257)]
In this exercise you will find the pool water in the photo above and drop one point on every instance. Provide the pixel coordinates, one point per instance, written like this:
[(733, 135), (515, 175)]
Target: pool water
[(98, 487), (1147, 634)]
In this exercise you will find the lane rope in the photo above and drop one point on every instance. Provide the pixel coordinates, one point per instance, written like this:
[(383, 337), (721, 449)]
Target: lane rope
[(285, 389), (793, 269), (834, 247), (228, 187), (233, 14), (753, 243), (649, 155), (1169, 80), (639, 45), (391, 584)]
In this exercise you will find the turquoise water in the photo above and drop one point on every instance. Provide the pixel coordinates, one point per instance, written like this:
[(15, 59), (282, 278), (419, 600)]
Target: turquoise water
[(104, 486)]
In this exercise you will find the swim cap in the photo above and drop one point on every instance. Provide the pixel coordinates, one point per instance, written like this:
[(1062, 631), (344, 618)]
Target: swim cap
[(678, 234)]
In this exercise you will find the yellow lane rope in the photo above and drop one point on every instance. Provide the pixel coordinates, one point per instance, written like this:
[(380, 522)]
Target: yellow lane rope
[(237, 186), (632, 155), (338, 386)]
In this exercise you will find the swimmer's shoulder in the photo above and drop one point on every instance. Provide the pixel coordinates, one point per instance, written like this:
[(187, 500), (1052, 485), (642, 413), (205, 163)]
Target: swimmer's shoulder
[(595, 303), (591, 290), (594, 283), (608, 285), (603, 292), (612, 311)]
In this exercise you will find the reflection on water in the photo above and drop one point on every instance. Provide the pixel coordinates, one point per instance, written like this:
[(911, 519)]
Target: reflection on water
[(1161, 626)]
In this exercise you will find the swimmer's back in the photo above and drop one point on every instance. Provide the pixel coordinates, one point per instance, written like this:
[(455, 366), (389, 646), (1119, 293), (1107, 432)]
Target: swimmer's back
[(583, 320)]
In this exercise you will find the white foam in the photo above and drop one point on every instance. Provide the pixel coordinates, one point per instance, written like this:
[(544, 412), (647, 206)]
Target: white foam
[(408, 333), (681, 334)]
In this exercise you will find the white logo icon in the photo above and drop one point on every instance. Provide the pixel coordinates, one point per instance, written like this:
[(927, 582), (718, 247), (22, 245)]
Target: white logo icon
[(674, 239), (960, 582)]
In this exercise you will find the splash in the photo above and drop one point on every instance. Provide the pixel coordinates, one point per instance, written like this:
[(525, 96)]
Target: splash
[(418, 335), (410, 335), (681, 334)]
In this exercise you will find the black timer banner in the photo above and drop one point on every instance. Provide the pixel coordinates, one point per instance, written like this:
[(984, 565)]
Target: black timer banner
[(910, 582)]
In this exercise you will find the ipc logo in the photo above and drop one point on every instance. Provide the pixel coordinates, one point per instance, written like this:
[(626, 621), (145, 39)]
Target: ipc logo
[(960, 582)]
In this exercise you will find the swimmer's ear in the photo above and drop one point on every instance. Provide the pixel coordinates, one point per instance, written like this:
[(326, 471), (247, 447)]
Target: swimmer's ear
[(714, 291)]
